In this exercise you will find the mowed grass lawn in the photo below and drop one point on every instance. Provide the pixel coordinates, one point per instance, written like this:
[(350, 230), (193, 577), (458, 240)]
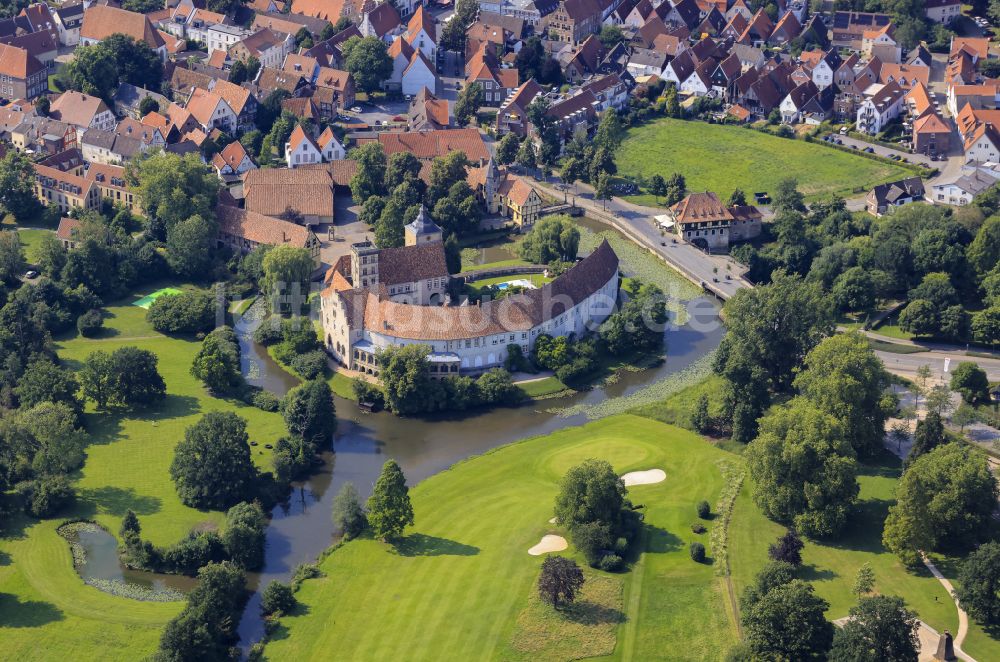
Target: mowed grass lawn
[(719, 158), (832, 567), (461, 584), (52, 614), (31, 241)]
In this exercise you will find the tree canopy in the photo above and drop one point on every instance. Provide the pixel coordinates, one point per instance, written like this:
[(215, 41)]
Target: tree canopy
[(804, 468), (880, 629), (389, 507), (368, 61), (212, 466), (943, 502)]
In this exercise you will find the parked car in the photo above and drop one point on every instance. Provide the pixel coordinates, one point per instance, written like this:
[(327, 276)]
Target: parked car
[(843, 130), (31, 274), (870, 150), (356, 109)]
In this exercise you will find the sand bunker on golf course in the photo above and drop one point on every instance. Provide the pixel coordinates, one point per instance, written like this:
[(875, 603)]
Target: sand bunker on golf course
[(647, 477), (549, 543)]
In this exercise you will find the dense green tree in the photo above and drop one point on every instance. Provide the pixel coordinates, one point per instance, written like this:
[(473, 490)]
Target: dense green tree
[(855, 290), (17, 186), (507, 149), (920, 317), (610, 132), (243, 536), (844, 378), (56, 440), (287, 272), (979, 583), (277, 599), (127, 377), (137, 63), (611, 35), (367, 59), (984, 251), (44, 381), (559, 581), (389, 507), (92, 71), (772, 575), (50, 255), (217, 363), (173, 188), (639, 323), (880, 629), (409, 388), (187, 312), (206, 628), (46, 495), (469, 101), (930, 434), (369, 180), (12, 261), (552, 239), (348, 514), (944, 501), (591, 492), (148, 105), (986, 325), (701, 421), (308, 410), (971, 382), (737, 198), (770, 329), (453, 34), (788, 623), (804, 468), (526, 155), (212, 466), (189, 246), (402, 167)]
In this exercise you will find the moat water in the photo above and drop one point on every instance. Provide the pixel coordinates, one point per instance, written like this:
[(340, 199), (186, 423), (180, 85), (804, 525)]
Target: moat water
[(301, 528)]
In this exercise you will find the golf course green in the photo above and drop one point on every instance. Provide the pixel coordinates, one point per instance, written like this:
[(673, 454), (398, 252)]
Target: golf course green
[(461, 585)]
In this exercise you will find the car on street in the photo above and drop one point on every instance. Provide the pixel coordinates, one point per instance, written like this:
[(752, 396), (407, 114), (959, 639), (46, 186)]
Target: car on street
[(356, 109)]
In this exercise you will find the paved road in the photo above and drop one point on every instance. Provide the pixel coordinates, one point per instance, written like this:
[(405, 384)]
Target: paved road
[(637, 222), (887, 152), (906, 364)]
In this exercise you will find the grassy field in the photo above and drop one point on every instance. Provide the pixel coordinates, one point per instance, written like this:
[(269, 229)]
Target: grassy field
[(460, 585), (833, 566), (31, 240), (56, 616), (718, 158)]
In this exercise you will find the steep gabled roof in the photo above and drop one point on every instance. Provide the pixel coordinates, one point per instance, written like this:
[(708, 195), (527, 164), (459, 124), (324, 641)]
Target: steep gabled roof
[(102, 21)]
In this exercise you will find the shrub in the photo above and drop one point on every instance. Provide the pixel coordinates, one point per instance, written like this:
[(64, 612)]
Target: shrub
[(45, 496), (90, 323), (704, 510), (187, 312), (610, 563), (267, 333), (697, 552), (311, 364), (277, 599), (265, 400), (592, 538), (368, 392), (698, 527), (621, 546), (305, 571)]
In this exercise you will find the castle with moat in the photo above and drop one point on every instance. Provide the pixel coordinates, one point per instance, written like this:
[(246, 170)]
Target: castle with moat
[(377, 298)]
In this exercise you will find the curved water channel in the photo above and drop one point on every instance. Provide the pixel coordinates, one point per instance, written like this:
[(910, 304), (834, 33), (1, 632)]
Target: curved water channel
[(301, 528)]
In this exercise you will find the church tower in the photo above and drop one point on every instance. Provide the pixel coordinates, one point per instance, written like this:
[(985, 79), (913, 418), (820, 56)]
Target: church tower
[(422, 230)]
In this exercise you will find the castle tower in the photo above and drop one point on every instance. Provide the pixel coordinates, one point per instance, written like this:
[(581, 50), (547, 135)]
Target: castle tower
[(491, 187), (422, 230), (364, 264)]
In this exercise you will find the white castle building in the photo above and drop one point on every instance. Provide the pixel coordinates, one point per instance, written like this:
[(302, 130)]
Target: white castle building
[(378, 298)]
